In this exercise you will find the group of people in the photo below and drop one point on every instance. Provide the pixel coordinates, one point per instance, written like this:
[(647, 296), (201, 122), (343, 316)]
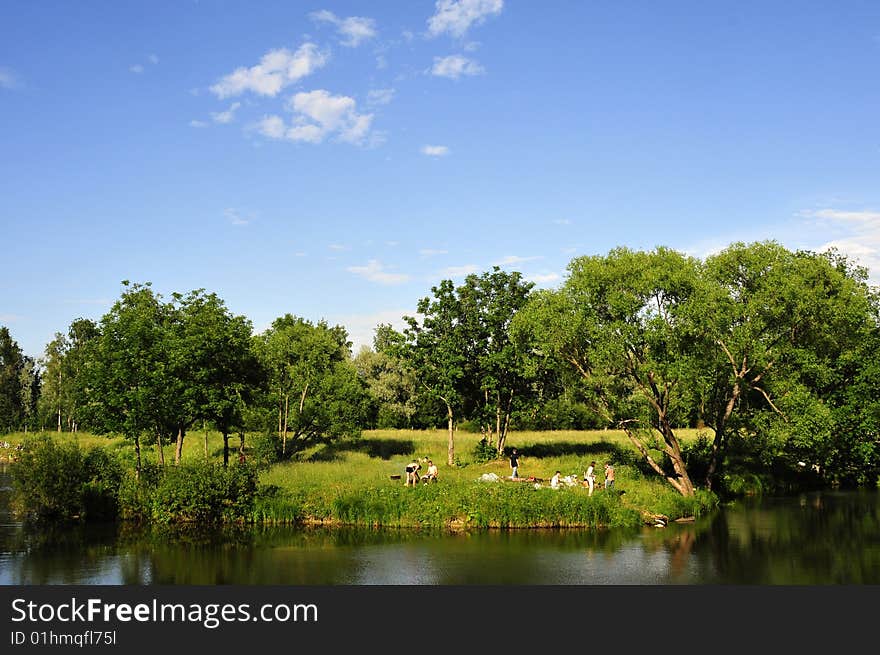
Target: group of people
[(412, 472), (556, 480)]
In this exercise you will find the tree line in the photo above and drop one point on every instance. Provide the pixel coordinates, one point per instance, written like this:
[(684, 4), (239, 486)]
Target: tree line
[(772, 351)]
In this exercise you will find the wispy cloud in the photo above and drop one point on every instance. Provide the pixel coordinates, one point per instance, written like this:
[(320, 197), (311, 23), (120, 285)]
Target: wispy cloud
[(380, 96), (277, 69), (354, 29), (562, 221), (195, 123), (10, 318), (435, 151), (515, 259), (544, 278), (227, 116), (361, 328), (338, 246), (432, 252), (140, 68), (454, 66), (375, 271), (459, 271), (857, 235), (236, 217), (89, 301), (8, 80), (456, 17), (318, 115)]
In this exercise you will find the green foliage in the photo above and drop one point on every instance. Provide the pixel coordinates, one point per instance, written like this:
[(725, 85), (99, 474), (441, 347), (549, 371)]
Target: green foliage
[(12, 363), (55, 480), (484, 451), (191, 493)]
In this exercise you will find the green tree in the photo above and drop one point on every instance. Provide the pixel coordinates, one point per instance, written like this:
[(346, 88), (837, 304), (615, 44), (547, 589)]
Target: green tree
[(778, 337), (312, 383), (497, 367), (12, 363), (435, 350), (128, 377)]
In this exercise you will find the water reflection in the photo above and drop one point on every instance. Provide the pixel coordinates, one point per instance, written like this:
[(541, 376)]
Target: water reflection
[(829, 538)]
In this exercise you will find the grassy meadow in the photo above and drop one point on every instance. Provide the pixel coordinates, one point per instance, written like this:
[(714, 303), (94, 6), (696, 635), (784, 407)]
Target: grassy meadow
[(352, 481)]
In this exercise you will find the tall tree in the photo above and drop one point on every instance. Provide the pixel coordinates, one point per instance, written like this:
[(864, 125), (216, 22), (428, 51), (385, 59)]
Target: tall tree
[(127, 367), (434, 349), (312, 383), (496, 367), (621, 321), (11, 366)]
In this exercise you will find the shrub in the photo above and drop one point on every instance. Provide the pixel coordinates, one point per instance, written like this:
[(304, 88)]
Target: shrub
[(59, 481), (484, 451), (205, 493)]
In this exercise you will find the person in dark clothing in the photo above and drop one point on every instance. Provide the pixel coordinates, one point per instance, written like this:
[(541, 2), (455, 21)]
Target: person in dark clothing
[(514, 464)]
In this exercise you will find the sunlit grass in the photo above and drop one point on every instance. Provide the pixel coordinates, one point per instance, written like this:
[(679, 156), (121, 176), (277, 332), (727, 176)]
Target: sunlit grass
[(361, 481)]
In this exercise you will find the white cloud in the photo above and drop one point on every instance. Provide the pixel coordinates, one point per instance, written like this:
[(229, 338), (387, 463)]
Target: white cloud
[(515, 259), (459, 271), (455, 17), (354, 29), (857, 235), (153, 59), (380, 96), (435, 151), (235, 216), (546, 278), (338, 246), (136, 68), (317, 115), (361, 328), (10, 318), (454, 66), (7, 79), (562, 221), (276, 70), (375, 271), (195, 123), (431, 252), (226, 116)]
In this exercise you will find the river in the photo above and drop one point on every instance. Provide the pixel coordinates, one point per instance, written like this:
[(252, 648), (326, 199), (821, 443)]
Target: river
[(824, 538)]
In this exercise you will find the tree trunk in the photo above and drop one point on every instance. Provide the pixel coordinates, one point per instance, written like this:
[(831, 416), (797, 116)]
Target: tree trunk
[(284, 433), (225, 449), (161, 449), (450, 446), (241, 446), (178, 451), (206, 446), (137, 451)]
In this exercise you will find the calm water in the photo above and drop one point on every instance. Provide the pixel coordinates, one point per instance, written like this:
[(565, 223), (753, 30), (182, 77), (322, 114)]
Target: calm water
[(818, 539)]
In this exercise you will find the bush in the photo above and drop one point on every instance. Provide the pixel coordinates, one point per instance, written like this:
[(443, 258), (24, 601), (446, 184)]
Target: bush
[(204, 493), (484, 451), (60, 481)]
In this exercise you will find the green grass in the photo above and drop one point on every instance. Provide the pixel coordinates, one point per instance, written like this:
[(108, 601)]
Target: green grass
[(350, 482)]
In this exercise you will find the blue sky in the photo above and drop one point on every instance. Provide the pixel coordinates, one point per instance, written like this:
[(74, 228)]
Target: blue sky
[(336, 159)]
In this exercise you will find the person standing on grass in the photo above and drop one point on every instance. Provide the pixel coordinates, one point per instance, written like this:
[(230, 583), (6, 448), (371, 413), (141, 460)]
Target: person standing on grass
[(590, 476), (514, 464), (609, 475)]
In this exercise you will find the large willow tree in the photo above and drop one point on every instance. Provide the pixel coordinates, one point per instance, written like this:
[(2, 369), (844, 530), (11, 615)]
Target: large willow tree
[(754, 340)]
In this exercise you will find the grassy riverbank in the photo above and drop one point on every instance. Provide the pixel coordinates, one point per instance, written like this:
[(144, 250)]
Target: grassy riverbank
[(352, 482)]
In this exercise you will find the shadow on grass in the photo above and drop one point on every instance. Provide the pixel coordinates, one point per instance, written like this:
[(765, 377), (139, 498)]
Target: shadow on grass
[(375, 448), (609, 451)]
